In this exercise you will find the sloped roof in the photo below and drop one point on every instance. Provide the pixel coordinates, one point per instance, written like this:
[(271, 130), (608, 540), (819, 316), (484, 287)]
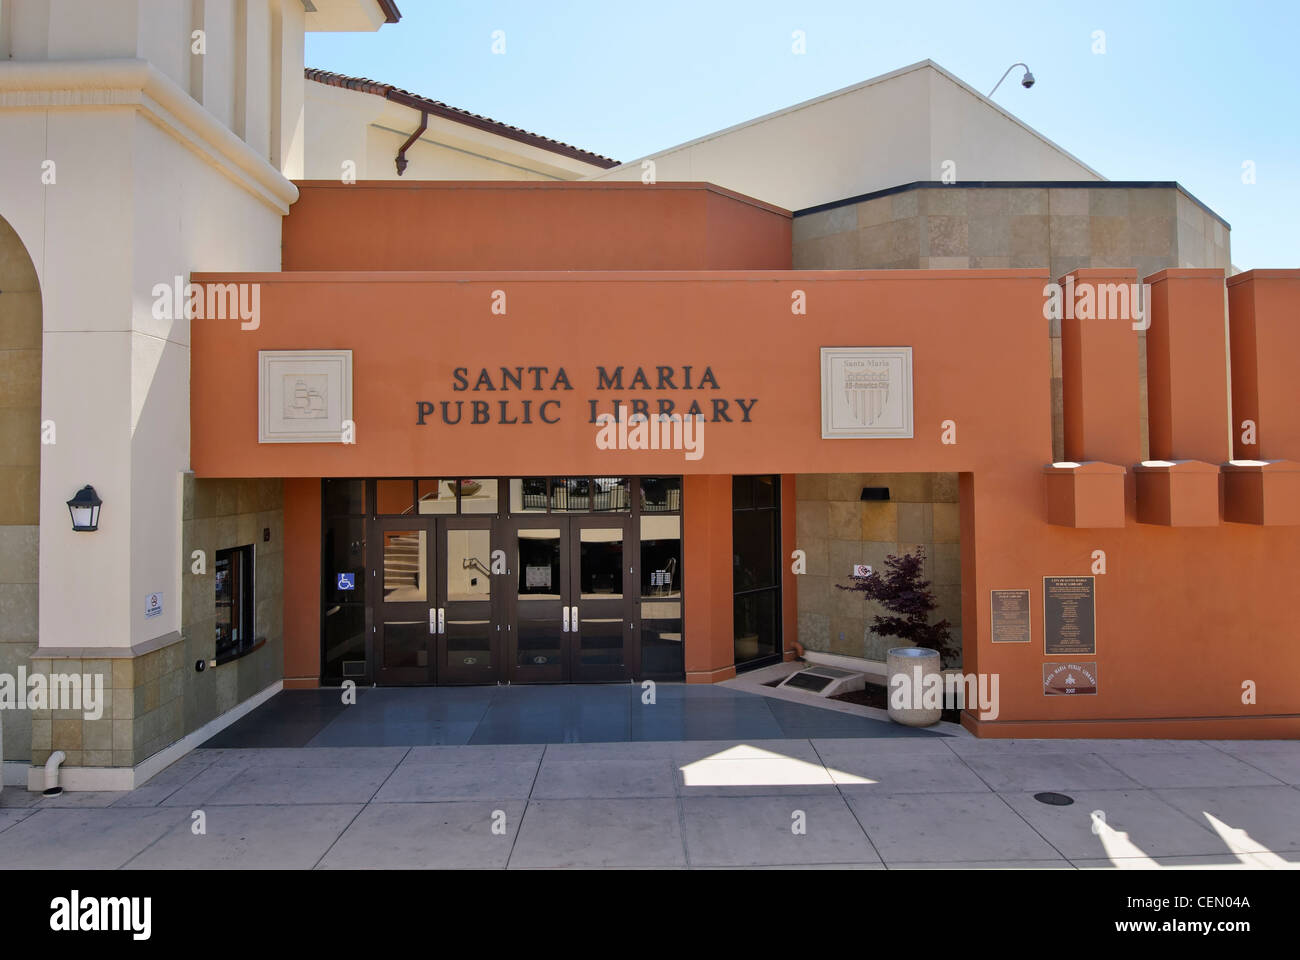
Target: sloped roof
[(883, 78), (439, 109)]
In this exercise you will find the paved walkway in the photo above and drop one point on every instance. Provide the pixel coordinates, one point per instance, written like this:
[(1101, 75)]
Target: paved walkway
[(587, 713), (861, 802)]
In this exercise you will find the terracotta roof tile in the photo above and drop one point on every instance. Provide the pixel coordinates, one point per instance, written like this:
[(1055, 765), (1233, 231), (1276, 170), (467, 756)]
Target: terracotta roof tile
[(457, 115)]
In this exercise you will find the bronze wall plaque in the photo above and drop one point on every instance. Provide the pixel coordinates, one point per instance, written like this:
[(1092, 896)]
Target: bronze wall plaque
[(1010, 621), (1069, 617), (1066, 679)]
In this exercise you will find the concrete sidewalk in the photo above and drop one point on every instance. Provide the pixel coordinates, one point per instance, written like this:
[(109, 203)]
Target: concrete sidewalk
[(873, 803)]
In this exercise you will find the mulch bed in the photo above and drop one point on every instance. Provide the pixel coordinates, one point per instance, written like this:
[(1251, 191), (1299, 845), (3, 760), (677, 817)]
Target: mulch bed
[(873, 695)]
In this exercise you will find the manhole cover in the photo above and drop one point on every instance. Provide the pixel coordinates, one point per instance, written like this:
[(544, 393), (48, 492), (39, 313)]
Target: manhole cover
[(1055, 799)]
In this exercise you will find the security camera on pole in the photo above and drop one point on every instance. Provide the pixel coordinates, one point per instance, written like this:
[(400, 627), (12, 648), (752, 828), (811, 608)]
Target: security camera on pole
[(1026, 81)]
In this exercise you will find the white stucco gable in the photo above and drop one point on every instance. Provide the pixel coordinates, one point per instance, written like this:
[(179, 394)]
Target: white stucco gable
[(893, 129)]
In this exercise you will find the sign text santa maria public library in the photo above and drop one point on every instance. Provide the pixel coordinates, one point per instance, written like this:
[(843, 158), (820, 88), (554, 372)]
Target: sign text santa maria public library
[(537, 394)]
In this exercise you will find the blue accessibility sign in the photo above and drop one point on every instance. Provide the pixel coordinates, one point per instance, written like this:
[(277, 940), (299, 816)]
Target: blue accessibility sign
[(347, 581)]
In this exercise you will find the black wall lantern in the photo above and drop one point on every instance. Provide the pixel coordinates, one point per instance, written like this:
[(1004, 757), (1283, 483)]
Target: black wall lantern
[(84, 508)]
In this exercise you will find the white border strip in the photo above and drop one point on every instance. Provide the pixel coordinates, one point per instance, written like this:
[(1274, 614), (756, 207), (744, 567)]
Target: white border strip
[(875, 668), (128, 778), (62, 84)]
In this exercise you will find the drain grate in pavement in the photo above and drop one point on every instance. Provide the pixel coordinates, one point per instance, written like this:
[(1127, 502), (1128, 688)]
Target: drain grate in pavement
[(1055, 799)]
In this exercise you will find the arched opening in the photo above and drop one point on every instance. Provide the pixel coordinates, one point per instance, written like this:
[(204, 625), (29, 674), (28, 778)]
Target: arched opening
[(20, 472)]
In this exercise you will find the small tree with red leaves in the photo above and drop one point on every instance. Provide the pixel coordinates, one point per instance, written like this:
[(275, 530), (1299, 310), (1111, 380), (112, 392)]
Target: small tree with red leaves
[(901, 591)]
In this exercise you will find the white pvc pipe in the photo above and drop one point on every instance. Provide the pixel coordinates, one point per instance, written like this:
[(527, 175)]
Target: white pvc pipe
[(52, 770)]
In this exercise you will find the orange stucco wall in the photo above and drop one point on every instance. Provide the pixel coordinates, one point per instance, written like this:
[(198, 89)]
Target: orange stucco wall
[(1101, 422), (1265, 337), (1185, 615), (409, 332), (706, 583), (475, 225), (1187, 366)]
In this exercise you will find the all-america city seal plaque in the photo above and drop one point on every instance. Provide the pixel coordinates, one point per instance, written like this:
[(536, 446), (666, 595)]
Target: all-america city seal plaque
[(866, 392)]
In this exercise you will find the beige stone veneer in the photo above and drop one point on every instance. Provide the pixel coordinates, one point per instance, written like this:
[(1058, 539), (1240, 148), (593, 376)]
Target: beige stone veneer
[(836, 529)]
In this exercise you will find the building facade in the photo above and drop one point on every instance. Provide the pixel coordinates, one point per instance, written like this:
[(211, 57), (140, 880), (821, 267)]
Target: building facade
[(359, 419)]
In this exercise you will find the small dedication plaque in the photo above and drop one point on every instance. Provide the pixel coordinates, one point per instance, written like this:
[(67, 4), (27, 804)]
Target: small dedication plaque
[(1069, 616), (1067, 679), (1010, 616)]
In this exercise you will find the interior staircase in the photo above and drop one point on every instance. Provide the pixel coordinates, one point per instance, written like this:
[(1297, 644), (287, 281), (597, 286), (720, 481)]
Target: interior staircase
[(402, 567)]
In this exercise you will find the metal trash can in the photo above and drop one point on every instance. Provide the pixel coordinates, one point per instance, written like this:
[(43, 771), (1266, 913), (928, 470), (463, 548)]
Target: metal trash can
[(907, 669)]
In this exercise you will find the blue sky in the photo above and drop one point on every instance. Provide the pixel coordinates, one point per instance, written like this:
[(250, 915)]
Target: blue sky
[(1185, 91)]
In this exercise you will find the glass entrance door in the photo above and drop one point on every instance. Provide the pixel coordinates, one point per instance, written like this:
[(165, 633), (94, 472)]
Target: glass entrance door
[(436, 616), (572, 584), (600, 590), (469, 628), (405, 617), (537, 628), (501, 579)]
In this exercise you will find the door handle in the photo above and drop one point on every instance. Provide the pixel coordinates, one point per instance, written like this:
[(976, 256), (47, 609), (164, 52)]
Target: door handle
[(564, 628), (442, 623), (574, 624), (433, 620)]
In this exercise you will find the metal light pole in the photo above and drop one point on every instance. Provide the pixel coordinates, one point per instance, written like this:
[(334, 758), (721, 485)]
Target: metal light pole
[(1026, 81)]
